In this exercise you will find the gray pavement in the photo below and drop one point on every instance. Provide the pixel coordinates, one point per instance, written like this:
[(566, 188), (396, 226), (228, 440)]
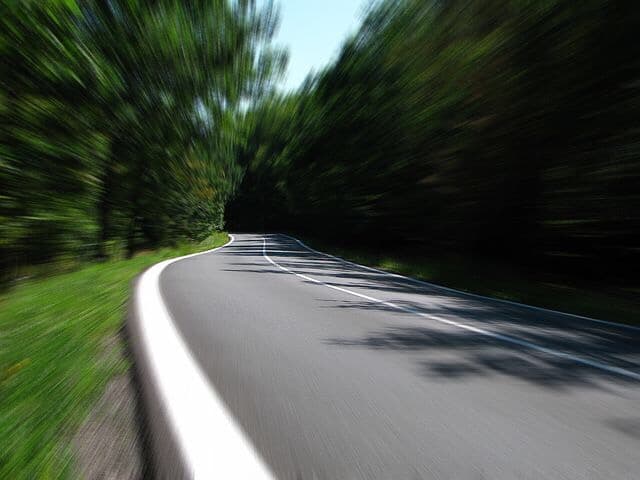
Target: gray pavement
[(329, 384)]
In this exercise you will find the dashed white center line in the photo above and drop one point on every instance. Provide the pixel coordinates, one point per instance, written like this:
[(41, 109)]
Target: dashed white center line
[(497, 336)]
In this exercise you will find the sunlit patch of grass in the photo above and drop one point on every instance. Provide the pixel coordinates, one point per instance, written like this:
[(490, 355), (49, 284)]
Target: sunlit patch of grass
[(54, 363)]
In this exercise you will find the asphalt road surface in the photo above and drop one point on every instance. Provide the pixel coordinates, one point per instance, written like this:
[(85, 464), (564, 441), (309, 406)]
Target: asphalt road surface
[(339, 372)]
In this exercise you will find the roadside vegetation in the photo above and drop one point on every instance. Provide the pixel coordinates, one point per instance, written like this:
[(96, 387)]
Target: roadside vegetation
[(122, 122), (60, 343), (497, 130)]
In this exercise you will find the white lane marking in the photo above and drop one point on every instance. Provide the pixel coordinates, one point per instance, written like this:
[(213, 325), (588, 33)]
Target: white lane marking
[(481, 331), (212, 443), (460, 292)]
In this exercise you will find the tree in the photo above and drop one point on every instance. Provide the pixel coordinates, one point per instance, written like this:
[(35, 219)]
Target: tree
[(122, 120)]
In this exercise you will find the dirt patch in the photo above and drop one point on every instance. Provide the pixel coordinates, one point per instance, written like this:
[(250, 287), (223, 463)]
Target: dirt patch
[(107, 445), (110, 443)]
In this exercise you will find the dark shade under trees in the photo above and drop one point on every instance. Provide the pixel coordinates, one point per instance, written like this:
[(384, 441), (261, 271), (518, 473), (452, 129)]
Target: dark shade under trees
[(505, 129)]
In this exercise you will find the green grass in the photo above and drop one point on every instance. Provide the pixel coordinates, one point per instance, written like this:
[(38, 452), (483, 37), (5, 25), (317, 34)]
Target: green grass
[(502, 281), (59, 347)]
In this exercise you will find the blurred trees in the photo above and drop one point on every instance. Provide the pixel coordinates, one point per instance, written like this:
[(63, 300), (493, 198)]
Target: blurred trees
[(120, 121), (504, 128), (498, 128)]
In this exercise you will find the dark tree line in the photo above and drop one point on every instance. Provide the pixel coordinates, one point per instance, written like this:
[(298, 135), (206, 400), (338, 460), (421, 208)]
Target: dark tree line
[(496, 128), (121, 121)]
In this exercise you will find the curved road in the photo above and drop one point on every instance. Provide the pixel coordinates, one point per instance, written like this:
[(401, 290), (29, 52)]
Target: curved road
[(339, 372)]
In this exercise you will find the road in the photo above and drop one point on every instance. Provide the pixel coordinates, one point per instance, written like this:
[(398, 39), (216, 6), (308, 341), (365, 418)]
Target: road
[(339, 372)]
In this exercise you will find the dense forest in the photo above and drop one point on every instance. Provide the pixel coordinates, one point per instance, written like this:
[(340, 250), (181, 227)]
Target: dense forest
[(121, 121), (501, 128), (505, 129)]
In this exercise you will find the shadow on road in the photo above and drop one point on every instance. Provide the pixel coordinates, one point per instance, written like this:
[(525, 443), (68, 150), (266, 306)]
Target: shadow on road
[(472, 354), (477, 355)]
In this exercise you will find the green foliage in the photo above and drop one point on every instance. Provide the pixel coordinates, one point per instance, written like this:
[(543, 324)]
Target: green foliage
[(58, 351), (496, 128), (121, 121)]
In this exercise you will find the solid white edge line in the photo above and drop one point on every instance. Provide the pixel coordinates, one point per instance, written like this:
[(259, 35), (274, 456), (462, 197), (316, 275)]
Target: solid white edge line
[(481, 331), (207, 434), (462, 292)]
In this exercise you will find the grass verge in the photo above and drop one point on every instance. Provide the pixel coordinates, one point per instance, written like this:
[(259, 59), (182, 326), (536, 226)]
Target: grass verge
[(502, 281), (57, 338)]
